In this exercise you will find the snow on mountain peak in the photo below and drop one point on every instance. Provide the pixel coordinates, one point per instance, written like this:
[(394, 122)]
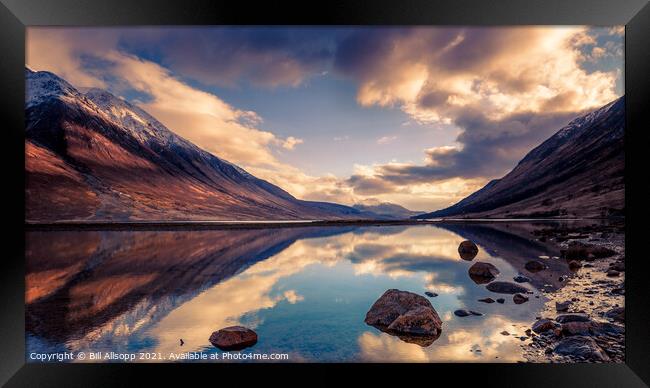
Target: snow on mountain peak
[(43, 85), (587, 119)]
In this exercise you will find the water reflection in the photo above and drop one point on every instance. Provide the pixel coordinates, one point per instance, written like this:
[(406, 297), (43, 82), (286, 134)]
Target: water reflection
[(305, 291)]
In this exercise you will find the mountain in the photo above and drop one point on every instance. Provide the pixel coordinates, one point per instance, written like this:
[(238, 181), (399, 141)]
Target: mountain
[(93, 156), (577, 172), (386, 210)]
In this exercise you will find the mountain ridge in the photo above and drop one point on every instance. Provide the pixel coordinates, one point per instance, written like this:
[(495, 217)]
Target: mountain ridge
[(577, 172), (113, 161)]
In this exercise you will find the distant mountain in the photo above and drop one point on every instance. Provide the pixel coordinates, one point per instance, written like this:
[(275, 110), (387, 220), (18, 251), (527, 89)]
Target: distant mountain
[(93, 156), (387, 210), (578, 172)]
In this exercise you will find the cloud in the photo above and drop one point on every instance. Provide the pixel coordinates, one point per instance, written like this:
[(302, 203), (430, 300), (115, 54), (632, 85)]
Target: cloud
[(230, 56), (291, 142), (434, 74), (506, 89), (386, 139)]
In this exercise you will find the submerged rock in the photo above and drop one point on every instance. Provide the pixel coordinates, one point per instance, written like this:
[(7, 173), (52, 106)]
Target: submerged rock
[(506, 288), (486, 300), (501, 301), (519, 299), (581, 346), (462, 313), (535, 266), (521, 279), (430, 294), (233, 338), (482, 273), (409, 316), (467, 250)]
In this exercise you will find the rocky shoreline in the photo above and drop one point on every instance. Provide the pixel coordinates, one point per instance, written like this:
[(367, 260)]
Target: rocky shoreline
[(583, 321)]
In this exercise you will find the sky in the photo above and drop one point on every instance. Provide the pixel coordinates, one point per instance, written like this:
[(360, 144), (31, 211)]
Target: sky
[(417, 116)]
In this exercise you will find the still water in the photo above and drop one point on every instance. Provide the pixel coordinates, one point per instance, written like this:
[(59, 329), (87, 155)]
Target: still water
[(304, 290)]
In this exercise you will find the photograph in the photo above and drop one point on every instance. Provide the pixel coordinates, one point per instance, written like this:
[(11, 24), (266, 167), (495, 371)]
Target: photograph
[(325, 194)]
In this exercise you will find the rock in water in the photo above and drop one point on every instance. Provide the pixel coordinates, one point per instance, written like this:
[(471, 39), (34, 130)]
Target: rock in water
[(535, 266), (543, 325), (462, 313), (486, 300), (501, 301), (506, 288), (467, 250), (521, 279), (430, 294), (233, 338), (482, 273), (409, 316), (519, 299), (581, 346)]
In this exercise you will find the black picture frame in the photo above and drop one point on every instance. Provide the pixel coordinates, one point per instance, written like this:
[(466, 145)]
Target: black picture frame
[(15, 15)]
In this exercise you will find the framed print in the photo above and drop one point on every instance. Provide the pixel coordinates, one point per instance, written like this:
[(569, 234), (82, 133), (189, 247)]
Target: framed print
[(386, 188)]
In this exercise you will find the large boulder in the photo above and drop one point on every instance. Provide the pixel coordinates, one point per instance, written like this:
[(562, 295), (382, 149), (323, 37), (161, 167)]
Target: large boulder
[(409, 316), (506, 288), (233, 338), (467, 250), (581, 346), (482, 273)]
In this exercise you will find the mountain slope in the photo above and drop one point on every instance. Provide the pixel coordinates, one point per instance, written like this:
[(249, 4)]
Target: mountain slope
[(577, 172), (386, 210), (93, 156)]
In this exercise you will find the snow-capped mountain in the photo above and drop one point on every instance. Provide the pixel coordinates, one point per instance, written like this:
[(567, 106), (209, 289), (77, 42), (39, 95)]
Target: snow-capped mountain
[(93, 156), (577, 172)]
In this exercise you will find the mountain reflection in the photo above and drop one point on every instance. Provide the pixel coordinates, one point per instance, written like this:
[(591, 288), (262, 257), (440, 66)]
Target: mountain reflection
[(304, 290)]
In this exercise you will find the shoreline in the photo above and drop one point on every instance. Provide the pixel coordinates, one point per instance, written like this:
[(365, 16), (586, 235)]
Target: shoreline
[(239, 225), (591, 291)]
